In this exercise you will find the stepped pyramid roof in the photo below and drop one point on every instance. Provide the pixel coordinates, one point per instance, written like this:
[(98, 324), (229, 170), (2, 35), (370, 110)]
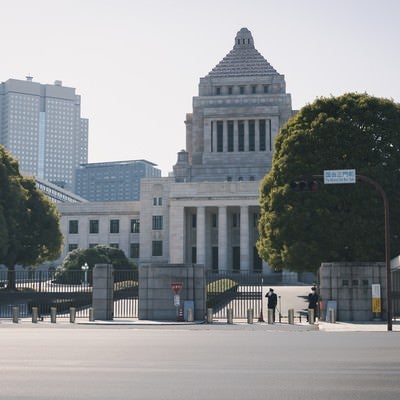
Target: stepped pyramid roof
[(243, 60)]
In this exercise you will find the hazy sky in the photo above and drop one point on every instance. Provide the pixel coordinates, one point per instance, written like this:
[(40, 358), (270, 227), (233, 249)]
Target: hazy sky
[(137, 63)]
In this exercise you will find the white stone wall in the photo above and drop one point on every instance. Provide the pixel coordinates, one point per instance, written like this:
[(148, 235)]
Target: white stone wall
[(103, 212)]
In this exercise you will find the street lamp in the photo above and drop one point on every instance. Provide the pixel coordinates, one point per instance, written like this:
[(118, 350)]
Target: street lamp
[(85, 268)]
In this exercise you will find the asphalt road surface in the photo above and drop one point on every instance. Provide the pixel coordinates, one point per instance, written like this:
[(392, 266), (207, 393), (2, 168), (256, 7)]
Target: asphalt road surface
[(196, 362)]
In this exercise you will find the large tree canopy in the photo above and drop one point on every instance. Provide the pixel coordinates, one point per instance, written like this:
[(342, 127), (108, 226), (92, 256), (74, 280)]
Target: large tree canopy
[(73, 262), (29, 222), (299, 230)]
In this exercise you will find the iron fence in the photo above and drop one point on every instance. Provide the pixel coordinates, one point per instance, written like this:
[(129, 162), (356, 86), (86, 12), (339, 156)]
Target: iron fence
[(44, 290), (126, 294)]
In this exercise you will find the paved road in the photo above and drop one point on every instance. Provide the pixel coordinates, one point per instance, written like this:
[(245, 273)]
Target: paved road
[(60, 362)]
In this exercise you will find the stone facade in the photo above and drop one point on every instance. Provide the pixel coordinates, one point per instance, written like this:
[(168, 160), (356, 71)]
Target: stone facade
[(91, 223), (207, 223), (242, 104), (350, 285), (157, 297)]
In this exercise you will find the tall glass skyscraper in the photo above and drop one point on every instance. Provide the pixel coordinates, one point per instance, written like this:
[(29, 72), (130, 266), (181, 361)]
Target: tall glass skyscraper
[(41, 126)]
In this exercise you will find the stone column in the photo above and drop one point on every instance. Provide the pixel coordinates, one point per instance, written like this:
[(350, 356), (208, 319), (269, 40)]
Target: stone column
[(201, 235), (103, 290), (257, 134), (222, 238), (246, 135), (235, 136), (214, 136), (177, 242), (244, 239), (224, 136)]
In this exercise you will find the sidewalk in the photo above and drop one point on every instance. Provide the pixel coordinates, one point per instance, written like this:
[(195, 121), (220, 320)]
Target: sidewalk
[(321, 326), (368, 326)]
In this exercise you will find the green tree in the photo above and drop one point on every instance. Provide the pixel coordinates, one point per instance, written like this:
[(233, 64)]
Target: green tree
[(92, 256), (29, 222), (299, 230)]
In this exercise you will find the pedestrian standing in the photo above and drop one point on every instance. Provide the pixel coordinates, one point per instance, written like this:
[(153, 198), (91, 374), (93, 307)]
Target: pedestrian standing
[(313, 300), (272, 302)]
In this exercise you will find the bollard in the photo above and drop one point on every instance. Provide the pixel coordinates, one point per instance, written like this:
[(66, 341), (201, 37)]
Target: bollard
[(91, 314), (291, 316), (15, 314), (209, 315), (53, 315), (229, 316), (190, 314), (34, 315), (72, 314), (311, 316), (250, 314), (332, 318), (270, 316)]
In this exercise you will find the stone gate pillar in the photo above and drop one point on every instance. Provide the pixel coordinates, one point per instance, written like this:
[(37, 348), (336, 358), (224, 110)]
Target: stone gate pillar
[(103, 291)]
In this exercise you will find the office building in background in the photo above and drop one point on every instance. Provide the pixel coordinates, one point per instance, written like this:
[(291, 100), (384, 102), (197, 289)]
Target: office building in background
[(41, 126), (113, 181)]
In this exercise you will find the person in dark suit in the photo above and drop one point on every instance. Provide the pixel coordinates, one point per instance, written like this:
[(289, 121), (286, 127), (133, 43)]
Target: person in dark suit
[(313, 300), (272, 302)]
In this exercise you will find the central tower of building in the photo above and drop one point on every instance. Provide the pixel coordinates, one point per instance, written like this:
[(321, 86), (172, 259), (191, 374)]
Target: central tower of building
[(242, 104)]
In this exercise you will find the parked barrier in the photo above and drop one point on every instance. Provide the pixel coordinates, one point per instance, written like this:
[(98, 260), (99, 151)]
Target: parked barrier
[(229, 316), (190, 314), (270, 316), (15, 315), (53, 315), (332, 317), (91, 314), (35, 313), (250, 314), (311, 316), (72, 314), (291, 316), (209, 315)]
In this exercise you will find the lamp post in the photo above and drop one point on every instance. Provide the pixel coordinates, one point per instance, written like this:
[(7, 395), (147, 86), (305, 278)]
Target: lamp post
[(85, 268)]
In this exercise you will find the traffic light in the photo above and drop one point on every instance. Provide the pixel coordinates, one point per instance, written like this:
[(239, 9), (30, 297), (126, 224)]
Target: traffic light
[(305, 185)]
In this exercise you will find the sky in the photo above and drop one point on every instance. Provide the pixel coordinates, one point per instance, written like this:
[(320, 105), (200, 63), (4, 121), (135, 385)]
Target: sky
[(137, 64)]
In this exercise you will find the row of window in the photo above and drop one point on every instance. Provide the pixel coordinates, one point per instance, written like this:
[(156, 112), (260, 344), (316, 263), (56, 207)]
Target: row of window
[(94, 226), (157, 223), (242, 89), (240, 178)]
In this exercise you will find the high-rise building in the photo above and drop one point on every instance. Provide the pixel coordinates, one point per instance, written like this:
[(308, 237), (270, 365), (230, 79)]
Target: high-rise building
[(41, 126), (113, 181)]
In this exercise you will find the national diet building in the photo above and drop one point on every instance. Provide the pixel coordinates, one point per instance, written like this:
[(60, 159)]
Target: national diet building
[(207, 212)]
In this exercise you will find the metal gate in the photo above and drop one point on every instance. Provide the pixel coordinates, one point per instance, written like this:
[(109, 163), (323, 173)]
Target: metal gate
[(126, 297), (237, 291), (45, 290)]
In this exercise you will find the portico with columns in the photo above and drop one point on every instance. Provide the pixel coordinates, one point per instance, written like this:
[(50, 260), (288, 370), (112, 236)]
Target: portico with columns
[(219, 229)]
